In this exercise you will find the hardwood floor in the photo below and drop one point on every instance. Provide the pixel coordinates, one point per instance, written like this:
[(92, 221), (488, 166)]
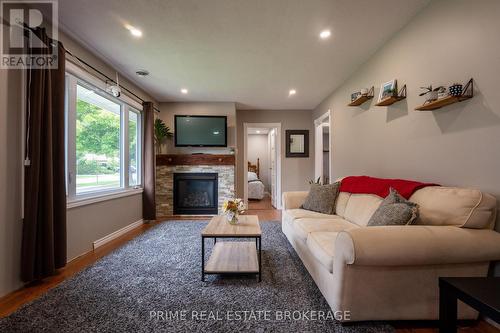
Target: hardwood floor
[(479, 326), (264, 204), (263, 209), (16, 299)]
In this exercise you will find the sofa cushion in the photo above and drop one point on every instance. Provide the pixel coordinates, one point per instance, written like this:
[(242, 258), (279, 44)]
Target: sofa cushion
[(461, 207), (290, 215), (394, 210), (303, 227), (360, 208), (322, 247), (322, 198), (341, 204)]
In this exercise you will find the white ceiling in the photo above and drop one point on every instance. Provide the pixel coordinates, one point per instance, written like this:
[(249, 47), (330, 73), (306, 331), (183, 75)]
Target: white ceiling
[(258, 131), (251, 52)]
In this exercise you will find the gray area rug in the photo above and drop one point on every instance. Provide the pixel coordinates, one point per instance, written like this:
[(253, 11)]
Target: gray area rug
[(152, 284)]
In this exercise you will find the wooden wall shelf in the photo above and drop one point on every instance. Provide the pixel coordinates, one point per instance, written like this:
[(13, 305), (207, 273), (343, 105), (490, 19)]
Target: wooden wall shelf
[(363, 98), (393, 99), (467, 93), (195, 159)]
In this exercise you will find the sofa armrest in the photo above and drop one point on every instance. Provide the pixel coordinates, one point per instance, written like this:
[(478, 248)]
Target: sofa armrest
[(292, 200), (416, 245)]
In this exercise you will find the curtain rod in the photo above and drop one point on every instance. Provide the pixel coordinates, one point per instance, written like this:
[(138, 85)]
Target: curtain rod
[(107, 77), (33, 30)]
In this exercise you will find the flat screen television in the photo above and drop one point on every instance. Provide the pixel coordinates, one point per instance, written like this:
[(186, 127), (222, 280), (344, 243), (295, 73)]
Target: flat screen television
[(200, 131)]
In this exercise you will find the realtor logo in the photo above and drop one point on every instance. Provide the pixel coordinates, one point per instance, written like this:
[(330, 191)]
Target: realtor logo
[(27, 30)]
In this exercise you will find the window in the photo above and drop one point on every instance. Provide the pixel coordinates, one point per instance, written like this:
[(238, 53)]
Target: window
[(97, 142), (103, 141), (134, 144)]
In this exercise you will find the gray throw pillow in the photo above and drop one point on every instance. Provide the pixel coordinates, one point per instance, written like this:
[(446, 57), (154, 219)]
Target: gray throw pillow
[(394, 210), (321, 198)]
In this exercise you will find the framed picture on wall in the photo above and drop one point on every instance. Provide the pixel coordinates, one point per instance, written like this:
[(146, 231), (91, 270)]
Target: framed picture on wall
[(297, 143), (387, 90), (355, 95)]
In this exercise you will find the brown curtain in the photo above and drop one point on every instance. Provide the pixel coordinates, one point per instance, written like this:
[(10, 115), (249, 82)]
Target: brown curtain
[(148, 163), (44, 226)]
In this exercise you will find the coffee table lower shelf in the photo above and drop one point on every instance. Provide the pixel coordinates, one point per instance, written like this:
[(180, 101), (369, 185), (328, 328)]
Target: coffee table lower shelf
[(233, 258)]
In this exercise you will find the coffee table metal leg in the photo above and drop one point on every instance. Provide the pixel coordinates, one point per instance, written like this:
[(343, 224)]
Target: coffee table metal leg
[(202, 259), (447, 310), (260, 259)]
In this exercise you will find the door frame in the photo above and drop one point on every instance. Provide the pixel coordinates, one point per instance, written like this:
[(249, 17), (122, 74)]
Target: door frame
[(318, 145), (279, 175)]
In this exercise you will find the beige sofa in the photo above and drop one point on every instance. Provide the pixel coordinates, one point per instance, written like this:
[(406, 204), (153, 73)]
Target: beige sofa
[(391, 272)]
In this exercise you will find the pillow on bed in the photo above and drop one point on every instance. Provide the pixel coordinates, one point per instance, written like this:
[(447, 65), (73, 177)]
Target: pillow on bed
[(252, 176)]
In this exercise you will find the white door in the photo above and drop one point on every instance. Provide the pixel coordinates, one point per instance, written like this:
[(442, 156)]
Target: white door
[(322, 169), (318, 154), (272, 164)]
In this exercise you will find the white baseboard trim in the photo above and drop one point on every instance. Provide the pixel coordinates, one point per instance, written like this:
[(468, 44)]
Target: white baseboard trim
[(116, 234)]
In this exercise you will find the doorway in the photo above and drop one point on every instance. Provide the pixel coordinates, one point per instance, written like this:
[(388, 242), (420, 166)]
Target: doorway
[(322, 146), (262, 163)]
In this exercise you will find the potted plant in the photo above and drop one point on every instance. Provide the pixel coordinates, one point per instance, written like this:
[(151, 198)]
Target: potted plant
[(162, 132), (317, 181), (432, 94)]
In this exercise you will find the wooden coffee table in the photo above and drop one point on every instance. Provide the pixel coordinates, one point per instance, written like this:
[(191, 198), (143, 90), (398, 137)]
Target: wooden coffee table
[(232, 257)]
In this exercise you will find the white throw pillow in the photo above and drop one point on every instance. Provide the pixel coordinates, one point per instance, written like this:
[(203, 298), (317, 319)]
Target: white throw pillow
[(252, 176)]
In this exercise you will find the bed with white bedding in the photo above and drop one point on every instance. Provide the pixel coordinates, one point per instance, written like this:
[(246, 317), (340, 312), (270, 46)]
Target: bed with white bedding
[(255, 187)]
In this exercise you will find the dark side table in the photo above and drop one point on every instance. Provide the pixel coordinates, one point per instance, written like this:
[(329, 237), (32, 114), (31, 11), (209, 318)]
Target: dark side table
[(480, 293)]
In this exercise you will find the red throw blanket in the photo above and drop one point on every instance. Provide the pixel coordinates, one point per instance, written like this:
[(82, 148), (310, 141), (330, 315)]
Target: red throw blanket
[(380, 186)]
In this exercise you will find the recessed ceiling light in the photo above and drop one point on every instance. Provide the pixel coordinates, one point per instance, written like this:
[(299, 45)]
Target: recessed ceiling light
[(325, 34), (142, 72), (258, 132), (184, 91), (134, 31), (292, 92)]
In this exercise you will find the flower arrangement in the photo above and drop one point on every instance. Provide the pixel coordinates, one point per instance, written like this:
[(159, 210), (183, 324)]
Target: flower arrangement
[(233, 208)]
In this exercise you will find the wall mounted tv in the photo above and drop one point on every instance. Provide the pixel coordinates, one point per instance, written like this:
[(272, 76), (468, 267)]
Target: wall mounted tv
[(200, 131)]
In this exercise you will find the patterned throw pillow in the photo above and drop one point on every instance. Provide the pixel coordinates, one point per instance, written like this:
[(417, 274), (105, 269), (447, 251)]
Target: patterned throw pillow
[(394, 210), (321, 198)]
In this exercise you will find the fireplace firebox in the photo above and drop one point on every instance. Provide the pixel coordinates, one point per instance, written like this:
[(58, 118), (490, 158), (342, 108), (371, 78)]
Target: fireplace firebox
[(195, 193)]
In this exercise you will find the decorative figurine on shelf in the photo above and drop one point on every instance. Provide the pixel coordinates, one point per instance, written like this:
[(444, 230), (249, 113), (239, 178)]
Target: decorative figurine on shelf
[(456, 89), (432, 94), (233, 208)]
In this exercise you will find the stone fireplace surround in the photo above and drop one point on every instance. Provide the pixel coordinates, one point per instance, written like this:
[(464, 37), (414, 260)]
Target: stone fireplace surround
[(167, 165)]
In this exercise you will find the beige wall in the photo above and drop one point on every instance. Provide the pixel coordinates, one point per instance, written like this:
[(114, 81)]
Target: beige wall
[(448, 41), (258, 148), (296, 172), (169, 110), (85, 224)]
